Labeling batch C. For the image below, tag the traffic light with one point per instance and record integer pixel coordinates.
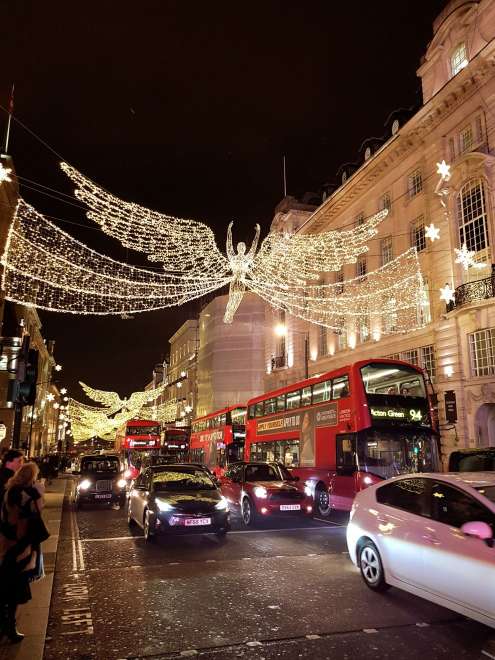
(22, 389)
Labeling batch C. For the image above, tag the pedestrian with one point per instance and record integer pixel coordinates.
(12, 461)
(21, 532)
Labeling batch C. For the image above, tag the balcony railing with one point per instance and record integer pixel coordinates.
(279, 361)
(472, 292)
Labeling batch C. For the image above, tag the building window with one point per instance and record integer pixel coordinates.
(385, 202)
(473, 230)
(360, 219)
(414, 183)
(410, 356)
(466, 139)
(428, 363)
(418, 238)
(322, 341)
(458, 59)
(361, 268)
(482, 352)
(424, 310)
(364, 331)
(386, 250)
(280, 347)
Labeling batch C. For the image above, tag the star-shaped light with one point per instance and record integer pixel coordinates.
(447, 294)
(63, 390)
(444, 170)
(58, 367)
(466, 258)
(4, 173)
(50, 396)
(432, 232)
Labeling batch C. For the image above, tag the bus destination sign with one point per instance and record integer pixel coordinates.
(404, 415)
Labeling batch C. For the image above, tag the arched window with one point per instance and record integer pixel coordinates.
(473, 229)
(458, 59)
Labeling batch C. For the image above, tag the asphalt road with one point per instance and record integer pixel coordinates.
(286, 590)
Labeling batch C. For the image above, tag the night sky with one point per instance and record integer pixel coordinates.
(187, 107)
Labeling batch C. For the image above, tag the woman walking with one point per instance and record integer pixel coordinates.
(21, 532)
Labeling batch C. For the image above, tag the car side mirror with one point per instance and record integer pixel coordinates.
(480, 530)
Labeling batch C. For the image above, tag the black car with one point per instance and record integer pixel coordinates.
(481, 459)
(177, 499)
(100, 481)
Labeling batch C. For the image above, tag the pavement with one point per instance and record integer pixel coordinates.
(32, 618)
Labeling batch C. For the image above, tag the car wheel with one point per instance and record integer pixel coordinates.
(149, 537)
(322, 503)
(371, 567)
(130, 520)
(248, 512)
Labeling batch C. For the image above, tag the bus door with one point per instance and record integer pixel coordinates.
(343, 483)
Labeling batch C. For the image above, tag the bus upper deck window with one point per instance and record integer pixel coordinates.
(340, 387)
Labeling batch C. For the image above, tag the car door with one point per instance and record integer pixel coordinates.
(231, 485)
(139, 496)
(459, 568)
(400, 519)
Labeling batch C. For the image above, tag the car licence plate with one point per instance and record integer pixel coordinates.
(190, 522)
(290, 507)
(103, 496)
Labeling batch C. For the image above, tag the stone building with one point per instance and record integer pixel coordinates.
(456, 123)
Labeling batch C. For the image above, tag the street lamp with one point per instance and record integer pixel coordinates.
(281, 331)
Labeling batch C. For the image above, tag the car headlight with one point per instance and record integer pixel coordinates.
(308, 491)
(128, 474)
(261, 492)
(85, 484)
(121, 483)
(223, 505)
(163, 505)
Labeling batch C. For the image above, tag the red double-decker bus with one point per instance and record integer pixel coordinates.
(174, 447)
(217, 439)
(346, 429)
(134, 440)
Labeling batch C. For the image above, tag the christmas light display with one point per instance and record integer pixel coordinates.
(5, 174)
(432, 232)
(466, 258)
(447, 294)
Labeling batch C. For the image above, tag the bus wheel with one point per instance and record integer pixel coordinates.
(322, 503)
(248, 512)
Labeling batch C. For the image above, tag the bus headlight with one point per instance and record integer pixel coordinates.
(121, 483)
(223, 505)
(261, 492)
(85, 484)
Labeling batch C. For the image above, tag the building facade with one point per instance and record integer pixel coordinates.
(456, 343)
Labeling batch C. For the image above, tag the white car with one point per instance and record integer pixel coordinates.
(431, 535)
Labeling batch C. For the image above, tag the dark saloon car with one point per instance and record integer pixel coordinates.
(472, 460)
(100, 481)
(177, 499)
(260, 489)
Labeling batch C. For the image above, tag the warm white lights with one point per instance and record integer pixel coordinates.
(466, 258)
(63, 390)
(444, 170)
(447, 294)
(50, 396)
(280, 330)
(4, 174)
(58, 367)
(449, 371)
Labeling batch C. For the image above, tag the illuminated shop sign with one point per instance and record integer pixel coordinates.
(412, 415)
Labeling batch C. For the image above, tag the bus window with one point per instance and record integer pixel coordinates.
(340, 387)
(251, 414)
(222, 419)
(293, 399)
(322, 391)
(281, 403)
(346, 452)
(306, 396)
(281, 451)
(385, 378)
(258, 411)
(270, 406)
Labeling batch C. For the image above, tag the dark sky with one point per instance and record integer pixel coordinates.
(187, 107)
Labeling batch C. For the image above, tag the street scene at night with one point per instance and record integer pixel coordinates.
(247, 358)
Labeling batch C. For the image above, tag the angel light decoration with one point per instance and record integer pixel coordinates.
(45, 267)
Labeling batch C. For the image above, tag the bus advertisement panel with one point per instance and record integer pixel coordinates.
(344, 430)
(217, 439)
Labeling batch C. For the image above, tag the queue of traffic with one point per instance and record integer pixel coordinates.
(362, 439)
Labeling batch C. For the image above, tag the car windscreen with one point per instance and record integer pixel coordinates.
(99, 465)
(182, 480)
(262, 473)
(487, 491)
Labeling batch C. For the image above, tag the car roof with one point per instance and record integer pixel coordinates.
(102, 456)
(472, 479)
(167, 466)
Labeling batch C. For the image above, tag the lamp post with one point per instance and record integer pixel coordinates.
(281, 331)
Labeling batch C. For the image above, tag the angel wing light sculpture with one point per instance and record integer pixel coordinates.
(47, 268)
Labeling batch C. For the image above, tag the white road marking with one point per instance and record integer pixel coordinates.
(81, 556)
(329, 522)
(370, 631)
(313, 637)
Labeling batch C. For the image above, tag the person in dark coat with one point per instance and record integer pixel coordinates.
(19, 544)
(12, 461)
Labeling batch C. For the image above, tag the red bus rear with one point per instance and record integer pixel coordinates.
(135, 439)
(174, 445)
(346, 429)
(217, 439)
